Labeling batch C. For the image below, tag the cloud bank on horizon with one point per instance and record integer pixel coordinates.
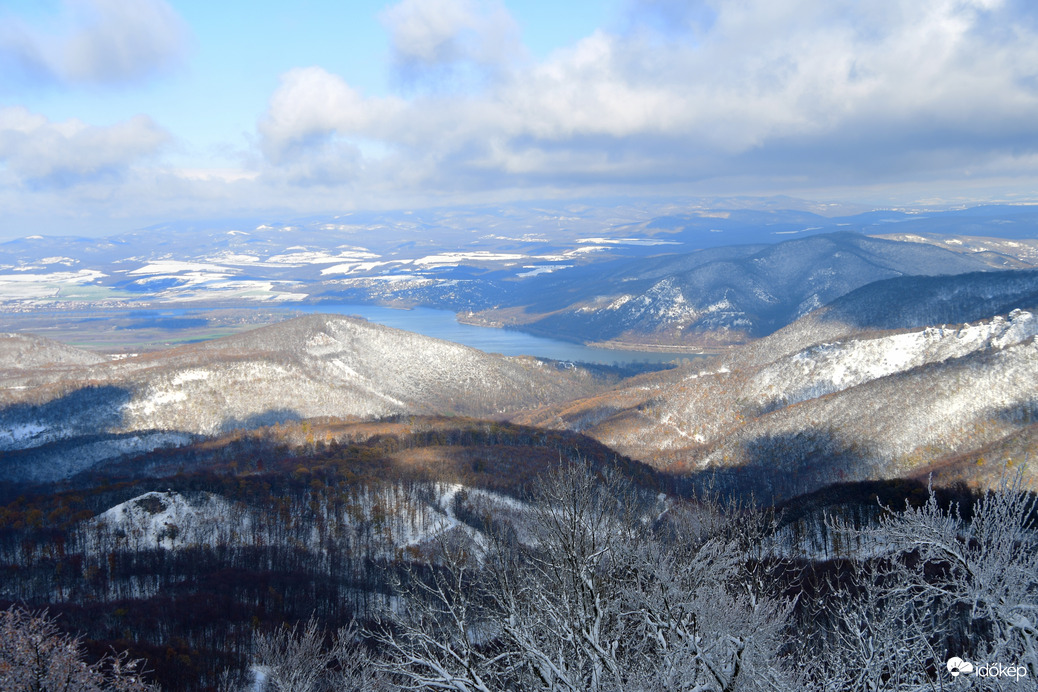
(896, 99)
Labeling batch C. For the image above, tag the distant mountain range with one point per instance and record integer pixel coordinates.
(729, 294)
(692, 274)
(838, 355)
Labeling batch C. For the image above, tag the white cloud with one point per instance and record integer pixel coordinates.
(441, 32)
(43, 154)
(310, 104)
(792, 90)
(884, 100)
(309, 116)
(96, 42)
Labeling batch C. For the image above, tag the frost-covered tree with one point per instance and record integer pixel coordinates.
(870, 633)
(435, 638)
(297, 659)
(930, 583)
(35, 656)
(598, 588)
(704, 614)
(981, 570)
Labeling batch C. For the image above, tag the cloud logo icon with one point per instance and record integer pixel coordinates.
(956, 665)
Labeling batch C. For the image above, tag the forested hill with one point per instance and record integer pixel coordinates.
(56, 421)
(184, 555)
(726, 294)
(843, 393)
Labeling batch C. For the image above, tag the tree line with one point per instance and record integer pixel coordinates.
(311, 578)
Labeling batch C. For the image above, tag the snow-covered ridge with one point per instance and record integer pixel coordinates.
(833, 367)
(310, 367)
(402, 518)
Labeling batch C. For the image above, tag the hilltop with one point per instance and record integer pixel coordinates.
(58, 421)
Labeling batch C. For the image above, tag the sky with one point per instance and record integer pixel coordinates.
(117, 114)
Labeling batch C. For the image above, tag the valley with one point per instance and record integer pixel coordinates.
(496, 346)
(189, 462)
(771, 364)
(631, 277)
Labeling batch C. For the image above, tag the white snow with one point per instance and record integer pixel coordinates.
(170, 520)
(543, 269)
(833, 367)
(19, 433)
(234, 258)
(359, 267)
(454, 258)
(584, 250)
(628, 241)
(619, 302)
(155, 400)
(215, 287)
(190, 376)
(178, 267)
(303, 257)
(83, 276)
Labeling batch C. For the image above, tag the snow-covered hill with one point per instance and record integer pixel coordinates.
(872, 404)
(309, 367)
(833, 367)
(24, 352)
(726, 295)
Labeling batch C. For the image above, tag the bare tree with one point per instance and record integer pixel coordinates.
(36, 656)
(585, 593)
(297, 659)
(981, 571)
(930, 583)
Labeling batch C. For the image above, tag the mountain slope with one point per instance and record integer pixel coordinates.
(869, 404)
(888, 426)
(304, 368)
(725, 295)
(21, 352)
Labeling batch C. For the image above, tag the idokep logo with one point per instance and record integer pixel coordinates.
(957, 667)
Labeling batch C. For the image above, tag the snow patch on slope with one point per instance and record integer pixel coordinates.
(170, 520)
(833, 367)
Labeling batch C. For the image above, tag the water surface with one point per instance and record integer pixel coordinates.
(443, 324)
